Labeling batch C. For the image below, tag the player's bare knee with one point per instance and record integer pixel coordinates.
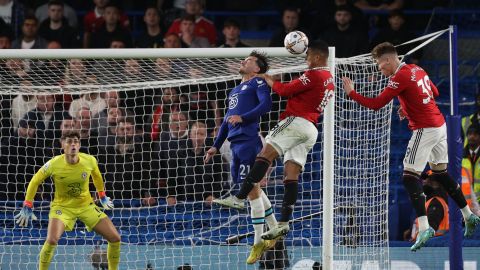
(439, 167)
(52, 240)
(268, 152)
(114, 237)
(411, 171)
(255, 193)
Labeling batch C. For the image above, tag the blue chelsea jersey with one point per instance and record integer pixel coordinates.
(250, 99)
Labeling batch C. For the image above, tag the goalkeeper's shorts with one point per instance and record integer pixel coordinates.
(293, 137)
(90, 215)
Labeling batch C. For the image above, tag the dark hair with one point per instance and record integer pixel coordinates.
(396, 12)
(188, 17)
(56, 3)
(346, 8)
(292, 9)
(70, 134)
(383, 48)
(231, 22)
(262, 61)
(31, 17)
(320, 47)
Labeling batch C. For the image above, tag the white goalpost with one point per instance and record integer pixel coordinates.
(123, 102)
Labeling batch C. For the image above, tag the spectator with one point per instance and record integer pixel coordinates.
(348, 41)
(56, 28)
(75, 73)
(172, 41)
(112, 102)
(290, 20)
(203, 27)
(127, 163)
(12, 12)
(94, 20)
(153, 36)
(22, 103)
(93, 101)
(471, 164)
(187, 34)
(471, 119)
(396, 33)
(68, 13)
(107, 133)
(30, 38)
(112, 28)
(172, 149)
(231, 33)
(169, 103)
(88, 136)
(5, 41)
(203, 182)
(47, 118)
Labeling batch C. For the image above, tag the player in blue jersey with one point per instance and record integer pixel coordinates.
(247, 102)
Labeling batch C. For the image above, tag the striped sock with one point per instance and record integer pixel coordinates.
(269, 215)
(258, 218)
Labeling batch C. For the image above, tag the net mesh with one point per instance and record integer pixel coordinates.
(127, 111)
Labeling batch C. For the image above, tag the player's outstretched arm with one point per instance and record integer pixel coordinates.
(26, 214)
(98, 183)
(374, 103)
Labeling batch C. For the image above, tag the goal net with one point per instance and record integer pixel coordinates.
(149, 116)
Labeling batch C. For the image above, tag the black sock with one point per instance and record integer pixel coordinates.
(413, 185)
(260, 167)
(289, 199)
(453, 188)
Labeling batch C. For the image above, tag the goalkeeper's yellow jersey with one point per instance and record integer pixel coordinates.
(71, 181)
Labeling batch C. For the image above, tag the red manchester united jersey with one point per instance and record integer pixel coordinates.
(307, 95)
(416, 94)
(203, 28)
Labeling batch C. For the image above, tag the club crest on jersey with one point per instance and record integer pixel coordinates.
(84, 175)
(232, 103)
(304, 79)
(393, 84)
(244, 87)
(58, 212)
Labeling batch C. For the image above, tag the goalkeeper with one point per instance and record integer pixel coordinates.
(71, 173)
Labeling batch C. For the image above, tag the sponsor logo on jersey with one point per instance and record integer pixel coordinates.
(84, 175)
(304, 79)
(232, 103)
(393, 84)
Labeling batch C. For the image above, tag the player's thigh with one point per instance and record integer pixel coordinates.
(91, 215)
(245, 154)
(55, 230)
(65, 215)
(290, 132)
(106, 229)
(418, 150)
(298, 154)
(439, 155)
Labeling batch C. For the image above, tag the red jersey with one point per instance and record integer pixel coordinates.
(307, 95)
(92, 23)
(203, 28)
(415, 93)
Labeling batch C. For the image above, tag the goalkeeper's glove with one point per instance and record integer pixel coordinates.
(26, 214)
(105, 201)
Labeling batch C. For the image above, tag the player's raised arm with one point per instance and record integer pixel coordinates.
(264, 105)
(374, 103)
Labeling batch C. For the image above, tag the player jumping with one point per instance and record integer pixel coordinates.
(416, 94)
(294, 136)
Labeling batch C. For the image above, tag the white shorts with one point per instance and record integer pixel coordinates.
(426, 145)
(293, 137)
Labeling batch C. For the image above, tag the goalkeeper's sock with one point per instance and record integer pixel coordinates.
(269, 216)
(46, 255)
(258, 171)
(413, 185)
(289, 199)
(113, 255)
(453, 189)
(257, 213)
